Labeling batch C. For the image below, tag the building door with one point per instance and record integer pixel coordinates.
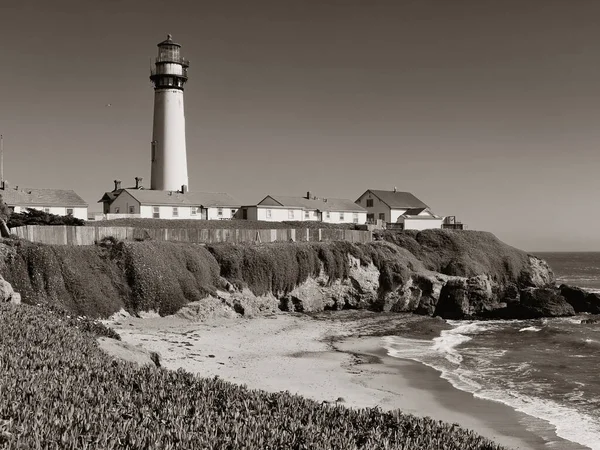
(244, 214)
(204, 213)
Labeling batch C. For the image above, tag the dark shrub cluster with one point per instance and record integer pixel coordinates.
(463, 253)
(60, 391)
(38, 217)
(81, 280)
(165, 276)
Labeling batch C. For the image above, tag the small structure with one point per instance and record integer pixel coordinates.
(62, 202)
(146, 203)
(401, 210)
(278, 208)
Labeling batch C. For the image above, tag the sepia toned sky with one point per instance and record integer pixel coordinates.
(487, 110)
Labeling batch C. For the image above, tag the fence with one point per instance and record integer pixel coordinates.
(71, 235)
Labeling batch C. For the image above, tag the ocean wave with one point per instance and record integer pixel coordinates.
(443, 356)
(530, 329)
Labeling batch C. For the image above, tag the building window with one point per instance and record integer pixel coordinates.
(268, 213)
(156, 212)
(291, 214)
(220, 212)
(355, 217)
(306, 215)
(370, 218)
(342, 216)
(369, 203)
(69, 211)
(117, 209)
(175, 211)
(382, 216)
(132, 210)
(233, 211)
(194, 210)
(328, 215)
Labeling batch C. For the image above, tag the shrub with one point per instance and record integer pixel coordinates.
(38, 217)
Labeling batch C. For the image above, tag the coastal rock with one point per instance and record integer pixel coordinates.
(535, 303)
(7, 293)
(465, 297)
(590, 321)
(581, 300)
(359, 291)
(538, 274)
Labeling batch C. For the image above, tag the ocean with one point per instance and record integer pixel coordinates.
(547, 368)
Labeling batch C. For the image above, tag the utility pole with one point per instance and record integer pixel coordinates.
(1, 161)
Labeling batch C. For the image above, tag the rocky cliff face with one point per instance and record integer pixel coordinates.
(450, 274)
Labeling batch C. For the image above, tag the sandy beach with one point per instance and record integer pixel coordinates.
(325, 359)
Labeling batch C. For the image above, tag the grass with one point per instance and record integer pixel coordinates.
(60, 391)
(216, 224)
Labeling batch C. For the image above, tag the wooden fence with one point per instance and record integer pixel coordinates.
(71, 235)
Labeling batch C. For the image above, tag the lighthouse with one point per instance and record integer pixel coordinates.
(169, 160)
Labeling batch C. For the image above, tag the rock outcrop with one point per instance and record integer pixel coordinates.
(7, 293)
(580, 300)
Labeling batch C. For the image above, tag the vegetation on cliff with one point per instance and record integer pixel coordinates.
(60, 391)
(164, 276)
(464, 253)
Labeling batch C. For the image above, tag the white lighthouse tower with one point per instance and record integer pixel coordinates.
(169, 161)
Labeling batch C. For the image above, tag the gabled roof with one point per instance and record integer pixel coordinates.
(398, 200)
(321, 204)
(170, 198)
(41, 197)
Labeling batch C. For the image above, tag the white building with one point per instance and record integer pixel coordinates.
(146, 203)
(62, 202)
(402, 209)
(277, 208)
(169, 159)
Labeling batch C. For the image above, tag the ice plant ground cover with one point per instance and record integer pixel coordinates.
(59, 390)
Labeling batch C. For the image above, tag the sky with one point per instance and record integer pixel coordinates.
(486, 110)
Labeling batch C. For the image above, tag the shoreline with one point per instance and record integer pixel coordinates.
(327, 359)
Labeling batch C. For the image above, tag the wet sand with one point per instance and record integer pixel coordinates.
(323, 360)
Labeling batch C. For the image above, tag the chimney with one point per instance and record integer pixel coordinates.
(308, 195)
(184, 189)
(138, 182)
(5, 185)
(117, 185)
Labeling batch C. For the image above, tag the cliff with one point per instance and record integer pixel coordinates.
(437, 272)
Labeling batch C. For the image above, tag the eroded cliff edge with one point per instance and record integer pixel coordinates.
(452, 274)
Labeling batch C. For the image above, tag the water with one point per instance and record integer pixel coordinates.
(545, 368)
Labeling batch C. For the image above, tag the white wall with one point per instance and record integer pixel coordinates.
(277, 214)
(335, 217)
(78, 212)
(169, 167)
(395, 215)
(122, 204)
(378, 207)
(422, 224)
(185, 212)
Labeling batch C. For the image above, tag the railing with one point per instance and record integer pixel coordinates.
(172, 59)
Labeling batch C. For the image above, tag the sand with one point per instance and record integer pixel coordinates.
(322, 360)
